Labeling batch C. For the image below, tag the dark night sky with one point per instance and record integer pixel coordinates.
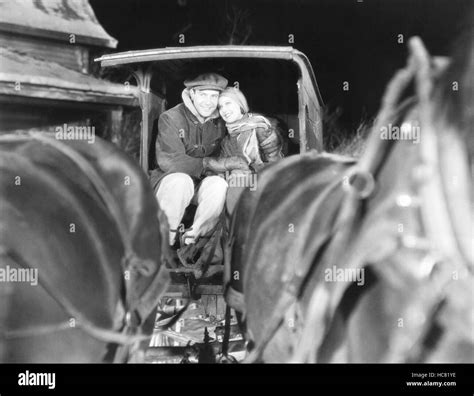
(344, 40)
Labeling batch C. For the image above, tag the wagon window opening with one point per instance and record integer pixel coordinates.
(270, 86)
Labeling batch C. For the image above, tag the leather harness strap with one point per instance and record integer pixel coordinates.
(235, 299)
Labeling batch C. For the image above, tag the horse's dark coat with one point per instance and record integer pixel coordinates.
(278, 217)
(84, 267)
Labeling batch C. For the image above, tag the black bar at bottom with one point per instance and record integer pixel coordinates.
(338, 376)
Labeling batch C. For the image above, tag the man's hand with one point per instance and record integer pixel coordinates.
(222, 165)
(272, 143)
(233, 163)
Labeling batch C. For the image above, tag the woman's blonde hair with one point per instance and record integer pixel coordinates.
(236, 95)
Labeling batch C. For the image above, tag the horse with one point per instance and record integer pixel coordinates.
(82, 242)
(334, 259)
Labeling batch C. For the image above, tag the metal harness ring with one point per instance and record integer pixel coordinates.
(359, 182)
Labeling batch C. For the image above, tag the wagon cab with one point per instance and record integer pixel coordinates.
(279, 82)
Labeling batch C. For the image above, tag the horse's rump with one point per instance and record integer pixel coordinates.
(136, 208)
(279, 254)
(59, 220)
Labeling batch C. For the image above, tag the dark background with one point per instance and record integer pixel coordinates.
(345, 40)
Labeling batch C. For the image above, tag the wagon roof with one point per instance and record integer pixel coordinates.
(173, 58)
(204, 51)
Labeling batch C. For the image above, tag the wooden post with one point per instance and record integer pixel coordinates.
(115, 119)
(302, 117)
(145, 134)
(143, 78)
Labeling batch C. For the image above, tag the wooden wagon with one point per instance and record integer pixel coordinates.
(278, 82)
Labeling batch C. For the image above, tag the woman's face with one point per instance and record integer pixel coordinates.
(229, 109)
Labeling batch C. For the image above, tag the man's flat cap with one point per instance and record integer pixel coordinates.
(207, 81)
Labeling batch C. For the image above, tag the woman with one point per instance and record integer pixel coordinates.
(246, 132)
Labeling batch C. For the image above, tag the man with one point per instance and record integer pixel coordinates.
(187, 147)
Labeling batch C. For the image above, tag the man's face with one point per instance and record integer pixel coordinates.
(205, 101)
